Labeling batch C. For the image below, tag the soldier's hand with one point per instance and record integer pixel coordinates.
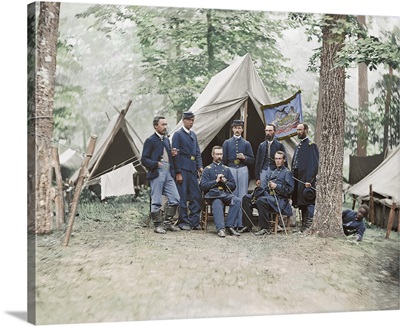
(179, 178)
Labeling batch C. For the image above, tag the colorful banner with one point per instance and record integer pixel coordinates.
(285, 115)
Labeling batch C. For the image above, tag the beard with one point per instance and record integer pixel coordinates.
(301, 136)
(269, 137)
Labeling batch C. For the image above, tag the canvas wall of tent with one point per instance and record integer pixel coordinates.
(114, 149)
(385, 182)
(237, 92)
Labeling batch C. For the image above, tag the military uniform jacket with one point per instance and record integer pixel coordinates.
(351, 225)
(305, 169)
(283, 178)
(153, 150)
(261, 155)
(189, 155)
(208, 179)
(233, 146)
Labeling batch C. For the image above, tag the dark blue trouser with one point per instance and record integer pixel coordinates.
(189, 191)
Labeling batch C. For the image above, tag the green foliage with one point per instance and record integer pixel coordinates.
(372, 51)
(182, 48)
(393, 119)
(375, 119)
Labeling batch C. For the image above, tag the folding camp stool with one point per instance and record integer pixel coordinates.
(276, 222)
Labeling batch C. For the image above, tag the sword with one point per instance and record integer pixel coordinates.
(303, 183)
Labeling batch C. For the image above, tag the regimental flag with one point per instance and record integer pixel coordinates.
(285, 115)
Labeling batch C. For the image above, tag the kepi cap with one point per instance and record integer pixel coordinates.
(237, 123)
(188, 115)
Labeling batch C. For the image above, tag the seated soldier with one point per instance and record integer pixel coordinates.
(218, 183)
(280, 186)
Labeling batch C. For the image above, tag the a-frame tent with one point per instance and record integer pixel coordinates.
(385, 183)
(114, 149)
(237, 92)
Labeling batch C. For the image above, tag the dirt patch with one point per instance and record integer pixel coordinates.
(117, 270)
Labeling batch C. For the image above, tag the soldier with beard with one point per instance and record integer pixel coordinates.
(265, 156)
(305, 169)
(158, 157)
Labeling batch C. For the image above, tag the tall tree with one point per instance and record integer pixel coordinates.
(332, 80)
(362, 139)
(40, 115)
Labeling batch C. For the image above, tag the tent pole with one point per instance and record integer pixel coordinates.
(245, 118)
(371, 206)
(78, 188)
(391, 220)
(354, 202)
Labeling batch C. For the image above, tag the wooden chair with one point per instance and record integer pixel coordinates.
(206, 213)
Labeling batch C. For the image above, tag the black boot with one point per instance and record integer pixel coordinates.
(169, 215)
(157, 219)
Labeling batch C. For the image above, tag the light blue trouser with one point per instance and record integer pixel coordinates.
(218, 211)
(165, 185)
(241, 177)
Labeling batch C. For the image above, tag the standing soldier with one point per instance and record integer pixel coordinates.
(265, 155)
(305, 169)
(157, 157)
(188, 165)
(238, 154)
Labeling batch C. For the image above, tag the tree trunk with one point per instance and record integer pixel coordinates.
(318, 123)
(210, 45)
(42, 119)
(362, 137)
(327, 218)
(386, 119)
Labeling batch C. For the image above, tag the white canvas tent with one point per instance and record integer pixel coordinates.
(114, 149)
(70, 161)
(236, 92)
(385, 181)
